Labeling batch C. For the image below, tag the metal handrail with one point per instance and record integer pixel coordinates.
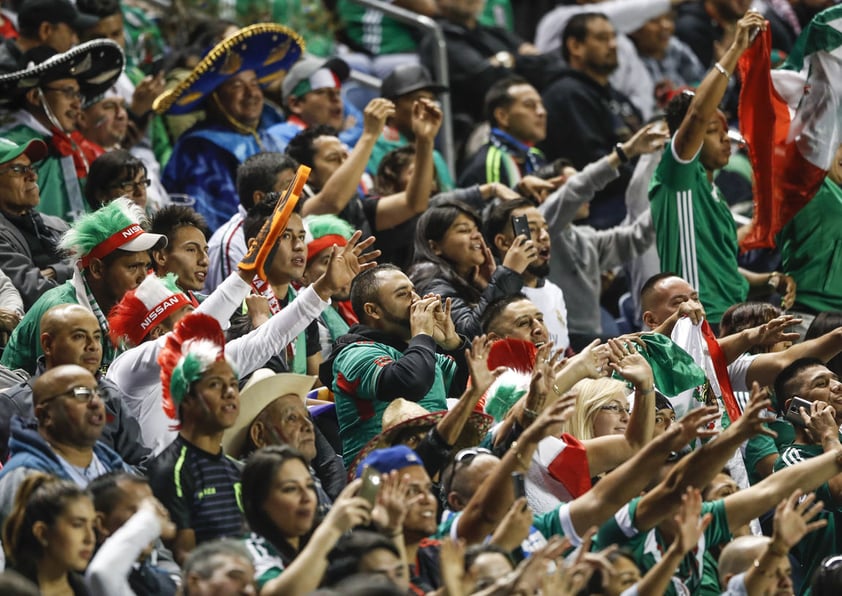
(441, 74)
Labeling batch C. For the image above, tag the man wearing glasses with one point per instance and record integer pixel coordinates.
(46, 99)
(28, 239)
(63, 440)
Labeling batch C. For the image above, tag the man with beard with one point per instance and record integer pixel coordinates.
(547, 296)
(596, 116)
(580, 253)
(64, 441)
(392, 353)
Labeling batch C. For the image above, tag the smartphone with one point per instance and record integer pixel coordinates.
(793, 413)
(519, 485)
(371, 485)
(520, 226)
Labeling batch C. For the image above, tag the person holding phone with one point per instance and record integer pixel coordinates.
(811, 395)
(453, 260)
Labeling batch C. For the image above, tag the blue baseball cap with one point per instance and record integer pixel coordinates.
(390, 458)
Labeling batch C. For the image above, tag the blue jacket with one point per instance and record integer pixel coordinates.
(30, 450)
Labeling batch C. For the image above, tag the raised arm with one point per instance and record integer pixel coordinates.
(766, 367)
(690, 135)
(702, 465)
(342, 185)
(396, 209)
(626, 482)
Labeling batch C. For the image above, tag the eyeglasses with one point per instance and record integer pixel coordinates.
(19, 170)
(465, 456)
(70, 93)
(82, 395)
(616, 408)
(133, 185)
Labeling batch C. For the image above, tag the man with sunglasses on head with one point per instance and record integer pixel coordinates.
(63, 440)
(28, 239)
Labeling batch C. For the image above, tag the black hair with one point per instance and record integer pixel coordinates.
(577, 28)
(677, 110)
(432, 226)
(649, 287)
(364, 287)
(106, 491)
(259, 213)
(344, 559)
(302, 146)
(498, 96)
(495, 309)
(172, 217)
(746, 315)
(106, 171)
(825, 322)
(499, 217)
(259, 173)
(783, 387)
(99, 8)
(257, 479)
(393, 164)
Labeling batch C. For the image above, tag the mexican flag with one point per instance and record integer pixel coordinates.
(790, 120)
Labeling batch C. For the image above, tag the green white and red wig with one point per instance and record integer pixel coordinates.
(195, 344)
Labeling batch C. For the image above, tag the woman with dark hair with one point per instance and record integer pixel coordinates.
(115, 174)
(745, 315)
(279, 502)
(825, 322)
(49, 535)
(452, 260)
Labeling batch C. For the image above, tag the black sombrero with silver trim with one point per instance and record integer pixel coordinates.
(95, 65)
(267, 48)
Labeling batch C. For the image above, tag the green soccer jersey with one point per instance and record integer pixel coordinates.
(359, 406)
(696, 234)
(815, 546)
(266, 559)
(648, 547)
(811, 250)
(761, 446)
(376, 33)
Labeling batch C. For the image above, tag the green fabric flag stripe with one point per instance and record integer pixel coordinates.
(820, 35)
(673, 368)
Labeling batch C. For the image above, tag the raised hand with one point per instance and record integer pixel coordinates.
(483, 273)
(692, 426)
(774, 331)
(375, 115)
(742, 35)
(648, 139)
(751, 423)
(536, 188)
(514, 527)
(593, 360)
(344, 265)
(627, 361)
(792, 520)
(477, 359)
(689, 526)
(349, 510)
(520, 255)
(452, 566)
(550, 421)
(445, 330)
(393, 502)
(426, 119)
(422, 315)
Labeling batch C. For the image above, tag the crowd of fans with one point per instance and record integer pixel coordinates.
(259, 336)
